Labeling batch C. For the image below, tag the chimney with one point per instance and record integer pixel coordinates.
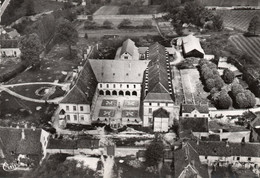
(22, 135)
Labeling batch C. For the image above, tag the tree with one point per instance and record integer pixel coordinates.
(217, 22)
(236, 88)
(228, 76)
(250, 98)
(154, 153)
(125, 23)
(31, 48)
(210, 84)
(254, 25)
(223, 101)
(30, 8)
(219, 83)
(107, 24)
(66, 33)
(241, 100)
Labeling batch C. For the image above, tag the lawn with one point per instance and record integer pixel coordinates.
(15, 110)
(53, 67)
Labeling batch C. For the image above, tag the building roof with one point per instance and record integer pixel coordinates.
(119, 71)
(9, 44)
(20, 141)
(218, 148)
(191, 43)
(166, 97)
(188, 108)
(156, 48)
(230, 3)
(128, 47)
(142, 50)
(187, 163)
(72, 144)
(84, 89)
(198, 124)
(162, 113)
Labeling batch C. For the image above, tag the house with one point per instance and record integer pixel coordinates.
(29, 142)
(194, 110)
(191, 46)
(161, 120)
(128, 51)
(77, 103)
(241, 154)
(76, 146)
(9, 48)
(157, 87)
(254, 126)
(187, 163)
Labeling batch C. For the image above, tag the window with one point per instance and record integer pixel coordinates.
(150, 104)
(187, 115)
(82, 118)
(238, 158)
(75, 117)
(67, 108)
(100, 85)
(195, 115)
(120, 85)
(114, 85)
(126, 57)
(68, 117)
(74, 108)
(150, 110)
(206, 157)
(126, 74)
(81, 108)
(127, 86)
(158, 104)
(134, 86)
(107, 86)
(166, 104)
(249, 159)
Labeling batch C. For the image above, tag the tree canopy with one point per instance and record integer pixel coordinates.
(66, 33)
(254, 25)
(31, 48)
(228, 76)
(224, 101)
(154, 152)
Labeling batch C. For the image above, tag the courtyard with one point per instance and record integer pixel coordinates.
(117, 110)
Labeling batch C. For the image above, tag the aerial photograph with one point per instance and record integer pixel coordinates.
(129, 88)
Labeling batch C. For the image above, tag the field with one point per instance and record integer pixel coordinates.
(250, 45)
(192, 87)
(237, 19)
(107, 10)
(229, 3)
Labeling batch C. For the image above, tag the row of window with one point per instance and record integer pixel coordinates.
(74, 108)
(75, 117)
(114, 85)
(238, 158)
(158, 104)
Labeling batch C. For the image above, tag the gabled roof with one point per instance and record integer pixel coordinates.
(162, 113)
(84, 89)
(128, 47)
(166, 97)
(72, 144)
(12, 141)
(119, 71)
(188, 108)
(190, 43)
(187, 163)
(220, 148)
(156, 48)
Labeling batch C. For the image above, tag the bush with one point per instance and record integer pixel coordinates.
(147, 23)
(125, 23)
(89, 25)
(107, 24)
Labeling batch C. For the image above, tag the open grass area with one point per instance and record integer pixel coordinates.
(107, 10)
(51, 68)
(7, 64)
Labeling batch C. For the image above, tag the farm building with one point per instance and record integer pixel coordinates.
(157, 87)
(78, 101)
(191, 46)
(191, 110)
(9, 48)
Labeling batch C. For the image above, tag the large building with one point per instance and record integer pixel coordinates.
(124, 91)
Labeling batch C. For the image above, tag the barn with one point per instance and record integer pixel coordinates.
(191, 47)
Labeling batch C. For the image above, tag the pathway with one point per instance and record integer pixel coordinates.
(35, 83)
(3, 7)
